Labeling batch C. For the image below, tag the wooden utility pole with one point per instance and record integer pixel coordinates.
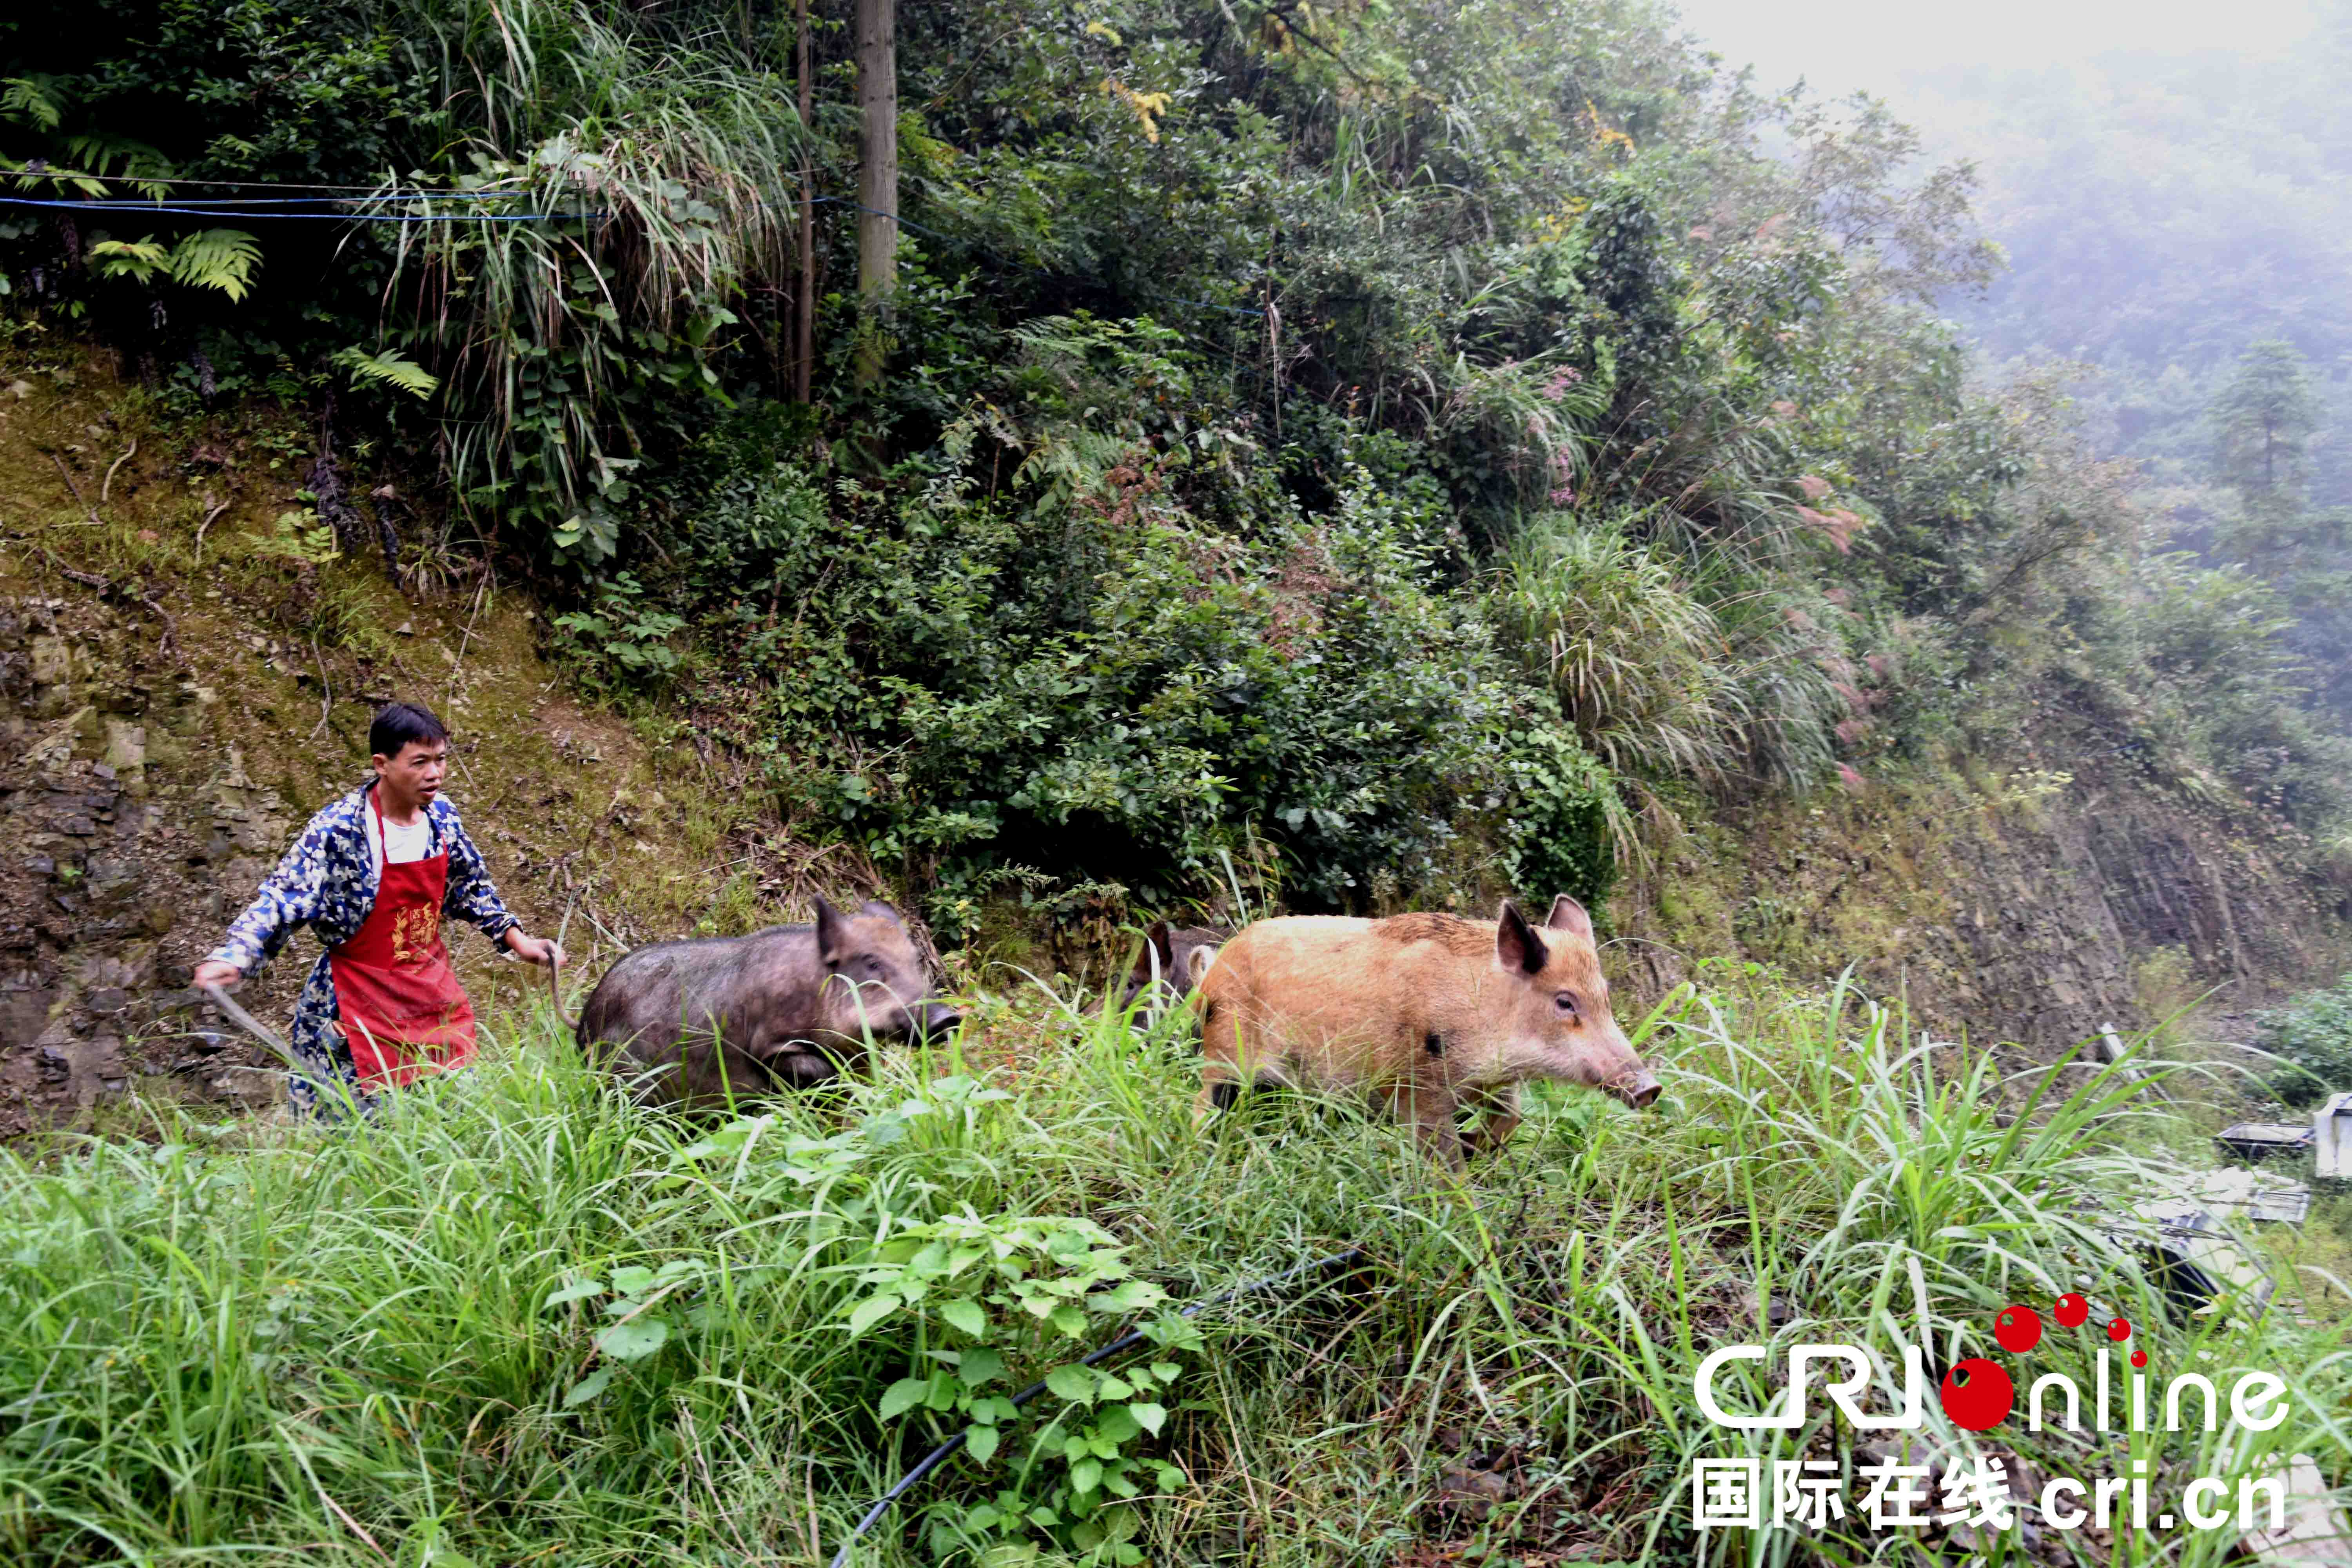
(804, 306)
(878, 177)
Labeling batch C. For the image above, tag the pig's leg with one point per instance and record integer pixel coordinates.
(1429, 1108)
(1221, 1074)
(1499, 1108)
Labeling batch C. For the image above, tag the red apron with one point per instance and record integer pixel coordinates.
(399, 1005)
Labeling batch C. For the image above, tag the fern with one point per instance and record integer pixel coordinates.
(138, 260)
(222, 258)
(31, 99)
(297, 538)
(388, 369)
(113, 157)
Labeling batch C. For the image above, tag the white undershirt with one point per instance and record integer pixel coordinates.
(412, 842)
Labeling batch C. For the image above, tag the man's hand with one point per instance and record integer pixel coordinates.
(533, 949)
(213, 972)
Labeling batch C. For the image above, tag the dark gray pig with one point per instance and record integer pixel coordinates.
(782, 1008)
(1169, 968)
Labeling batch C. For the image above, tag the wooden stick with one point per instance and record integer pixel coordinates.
(326, 690)
(76, 489)
(109, 485)
(216, 508)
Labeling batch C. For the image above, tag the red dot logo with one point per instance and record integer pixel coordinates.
(2119, 1330)
(2139, 1358)
(2072, 1310)
(1977, 1394)
(2019, 1329)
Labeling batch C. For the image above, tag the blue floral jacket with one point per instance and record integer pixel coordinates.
(327, 881)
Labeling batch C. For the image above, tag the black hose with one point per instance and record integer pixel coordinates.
(1128, 1340)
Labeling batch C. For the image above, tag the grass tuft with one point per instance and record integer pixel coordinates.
(522, 1319)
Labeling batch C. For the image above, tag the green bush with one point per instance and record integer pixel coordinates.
(2314, 1034)
(1134, 694)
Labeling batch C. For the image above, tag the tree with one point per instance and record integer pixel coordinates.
(804, 300)
(878, 175)
(2262, 424)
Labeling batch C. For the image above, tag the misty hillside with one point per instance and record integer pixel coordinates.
(1061, 468)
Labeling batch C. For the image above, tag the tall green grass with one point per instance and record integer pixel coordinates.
(381, 1344)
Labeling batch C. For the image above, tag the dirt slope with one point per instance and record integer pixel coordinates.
(170, 721)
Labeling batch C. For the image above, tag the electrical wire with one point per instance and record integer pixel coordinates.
(483, 195)
(221, 207)
(1128, 1340)
(31, 173)
(130, 206)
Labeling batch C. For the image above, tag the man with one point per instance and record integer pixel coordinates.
(372, 874)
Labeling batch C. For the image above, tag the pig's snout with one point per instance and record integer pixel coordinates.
(934, 1020)
(1638, 1089)
(803, 1070)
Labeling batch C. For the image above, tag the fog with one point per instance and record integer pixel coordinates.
(1841, 46)
(2172, 184)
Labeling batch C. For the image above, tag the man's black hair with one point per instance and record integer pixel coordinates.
(400, 724)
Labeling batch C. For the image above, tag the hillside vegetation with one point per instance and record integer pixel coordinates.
(1251, 457)
(1384, 457)
(519, 1321)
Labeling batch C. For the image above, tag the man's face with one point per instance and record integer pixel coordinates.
(415, 775)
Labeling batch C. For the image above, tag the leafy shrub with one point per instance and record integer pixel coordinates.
(996, 1292)
(623, 634)
(1098, 683)
(2314, 1034)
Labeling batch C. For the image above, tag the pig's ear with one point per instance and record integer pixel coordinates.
(877, 910)
(1516, 945)
(1164, 943)
(831, 933)
(1196, 964)
(1567, 915)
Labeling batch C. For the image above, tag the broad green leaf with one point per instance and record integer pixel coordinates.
(981, 1442)
(1070, 1320)
(1075, 1383)
(635, 1340)
(579, 1291)
(1085, 1476)
(903, 1396)
(966, 1316)
(1128, 1296)
(981, 1365)
(588, 1388)
(1149, 1416)
(871, 1311)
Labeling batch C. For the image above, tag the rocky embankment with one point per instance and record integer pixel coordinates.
(2030, 905)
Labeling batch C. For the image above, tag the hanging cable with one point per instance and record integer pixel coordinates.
(141, 206)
